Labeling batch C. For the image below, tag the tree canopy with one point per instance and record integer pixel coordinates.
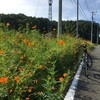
(21, 21)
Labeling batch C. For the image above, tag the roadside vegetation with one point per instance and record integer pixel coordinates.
(20, 21)
(33, 67)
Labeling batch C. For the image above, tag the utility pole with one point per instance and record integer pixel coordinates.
(77, 18)
(59, 18)
(50, 15)
(93, 13)
(97, 32)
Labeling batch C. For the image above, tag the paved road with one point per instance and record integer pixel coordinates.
(89, 88)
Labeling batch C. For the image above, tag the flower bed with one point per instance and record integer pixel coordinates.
(36, 68)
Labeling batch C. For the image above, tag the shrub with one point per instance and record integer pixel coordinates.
(36, 68)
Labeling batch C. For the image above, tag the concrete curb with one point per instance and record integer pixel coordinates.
(71, 92)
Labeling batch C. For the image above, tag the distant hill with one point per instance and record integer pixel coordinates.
(20, 22)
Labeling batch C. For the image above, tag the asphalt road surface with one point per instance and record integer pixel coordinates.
(89, 88)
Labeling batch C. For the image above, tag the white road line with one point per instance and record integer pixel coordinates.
(71, 92)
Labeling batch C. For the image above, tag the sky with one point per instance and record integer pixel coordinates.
(39, 8)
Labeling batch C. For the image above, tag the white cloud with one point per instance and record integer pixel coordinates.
(29, 7)
(7, 6)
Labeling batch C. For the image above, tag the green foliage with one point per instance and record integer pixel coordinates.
(33, 67)
(21, 21)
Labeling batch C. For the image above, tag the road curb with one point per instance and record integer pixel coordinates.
(71, 92)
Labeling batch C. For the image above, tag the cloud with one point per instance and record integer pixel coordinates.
(42, 9)
(39, 8)
(10, 5)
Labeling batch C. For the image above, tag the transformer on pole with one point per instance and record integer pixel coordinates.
(50, 15)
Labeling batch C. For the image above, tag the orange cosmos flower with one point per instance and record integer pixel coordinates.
(40, 66)
(27, 98)
(34, 26)
(17, 79)
(3, 80)
(61, 79)
(10, 91)
(2, 52)
(20, 69)
(31, 61)
(30, 44)
(65, 74)
(26, 41)
(30, 90)
(61, 42)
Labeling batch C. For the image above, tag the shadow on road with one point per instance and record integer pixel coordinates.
(97, 76)
(89, 88)
(83, 86)
(94, 58)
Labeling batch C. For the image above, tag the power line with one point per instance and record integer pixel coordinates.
(75, 5)
(81, 11)
(95, 5)
(87, 7)
(92, 6)
(37, 8)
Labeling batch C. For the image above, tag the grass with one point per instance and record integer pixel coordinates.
(36, 68)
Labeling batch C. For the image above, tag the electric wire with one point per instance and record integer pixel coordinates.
(81, 11)
(75, 5)
(37, 8)
(95, 5)
(97, 13)
(92, 6)
(87, 7)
